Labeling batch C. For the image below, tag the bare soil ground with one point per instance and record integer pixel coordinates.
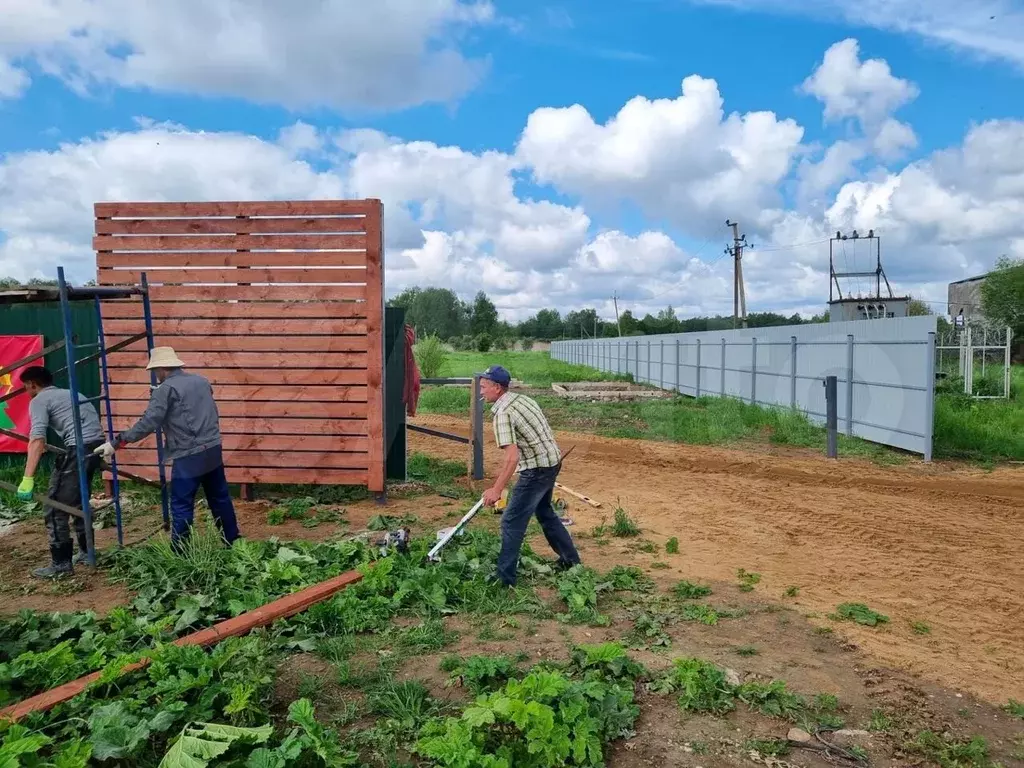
(937, 544)
(933, 544)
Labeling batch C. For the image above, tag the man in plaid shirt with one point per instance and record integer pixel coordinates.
(529, 448)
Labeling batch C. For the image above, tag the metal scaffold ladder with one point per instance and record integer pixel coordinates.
(66, 294)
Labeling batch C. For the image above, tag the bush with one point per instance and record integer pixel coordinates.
(483, 342)
(430, 357)
(502, 344)
(527, 344)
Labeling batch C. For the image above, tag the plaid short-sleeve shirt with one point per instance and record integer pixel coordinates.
(519, 421)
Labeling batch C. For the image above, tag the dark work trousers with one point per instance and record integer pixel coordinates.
(188, 474)
(532, 496)
(65, 489)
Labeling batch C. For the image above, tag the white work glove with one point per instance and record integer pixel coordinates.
(106, 451)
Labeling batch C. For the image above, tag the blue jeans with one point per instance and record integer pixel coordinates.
(188, 473)
(532, 496)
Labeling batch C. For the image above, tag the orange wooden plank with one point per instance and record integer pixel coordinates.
(133, 460)
(229, 392)
(233, 208)
(143, 260)
(375, 343)
(246, 275)
(291, 225)
(255, 293)
(240, 327)
(292, 310)
(262, 409)
(284, 345)
(218, 242)
(276, 426)
(276, 443)
(283, 607)
(249, 376)
(314, 360)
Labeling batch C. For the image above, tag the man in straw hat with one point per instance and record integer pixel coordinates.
(182, 406)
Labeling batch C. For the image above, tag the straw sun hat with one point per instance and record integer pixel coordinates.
(164, 357)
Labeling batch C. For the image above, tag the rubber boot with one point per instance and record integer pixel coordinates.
(61, 566)
(81, 557)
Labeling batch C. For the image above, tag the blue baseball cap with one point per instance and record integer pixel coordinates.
(497, 374)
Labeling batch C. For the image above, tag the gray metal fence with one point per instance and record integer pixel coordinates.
(886, 371)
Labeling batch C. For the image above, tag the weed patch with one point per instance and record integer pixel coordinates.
(672, 546)
(859, 613)
(950, 752)
(747, 580)
(687, 590)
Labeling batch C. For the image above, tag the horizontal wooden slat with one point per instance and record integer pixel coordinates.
(253, 376)
(218, 242)
(284, 345)
(241, 327)
(291, 310)
(290, 476)
(236, 208)
(284, 394)
(132, 459)
(277, 226)
(261, 409)
(256, 293)
(148, 260)
(276, 426)
(232, 276)
(280, 443)
(200, 360)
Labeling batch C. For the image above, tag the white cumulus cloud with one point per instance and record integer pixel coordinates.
(338, 53)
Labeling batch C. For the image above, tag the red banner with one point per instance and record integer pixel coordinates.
(14, 412)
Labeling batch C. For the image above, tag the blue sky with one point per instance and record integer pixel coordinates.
(641, 206)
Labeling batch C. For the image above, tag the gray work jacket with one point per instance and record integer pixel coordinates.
(183, 407)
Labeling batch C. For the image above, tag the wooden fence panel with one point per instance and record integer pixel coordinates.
(280, 305)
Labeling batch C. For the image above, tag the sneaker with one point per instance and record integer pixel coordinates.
(562, 566)
(54, 571)
(81, 559)
(495, 581)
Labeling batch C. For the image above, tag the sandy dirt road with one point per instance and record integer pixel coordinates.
(935, 544)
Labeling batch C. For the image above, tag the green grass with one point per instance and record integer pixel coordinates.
(536, 369)
(859, 613)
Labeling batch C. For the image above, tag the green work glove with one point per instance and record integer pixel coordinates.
(28, 484)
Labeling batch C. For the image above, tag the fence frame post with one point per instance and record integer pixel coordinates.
(661, 364)
(679, 368)
(478, 431)
(723, 366)
(753, 370)
(929, 398)
(792, 372)
(697, 382)
(849, 385)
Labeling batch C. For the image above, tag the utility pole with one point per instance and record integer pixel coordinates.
(618, 322)
(739, 293)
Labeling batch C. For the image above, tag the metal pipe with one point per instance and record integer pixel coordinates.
(849, 385)
(83, 481)
(161, 469)
(115, 486)
(478, 431)
(929, 398)
(831, 384)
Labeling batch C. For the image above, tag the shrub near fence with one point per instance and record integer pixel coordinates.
(885, 370)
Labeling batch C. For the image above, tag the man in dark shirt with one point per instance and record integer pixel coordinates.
(51, 409)
(182, 406)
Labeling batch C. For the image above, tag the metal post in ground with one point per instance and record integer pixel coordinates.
(849, 385)
(115, 484)
(698, 369)
(478, 431)
(831, 384)
(83, 481)
(1006, 363)
(929, 398)
(792, 371)
(147, 315)
(679, 368)
(649, 379)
